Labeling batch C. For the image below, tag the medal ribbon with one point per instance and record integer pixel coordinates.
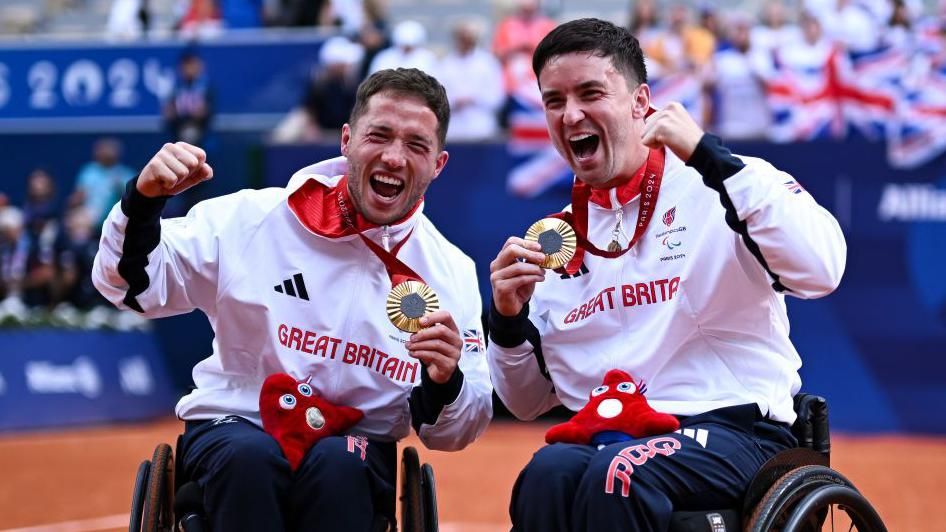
(578, 218)
(397, 270)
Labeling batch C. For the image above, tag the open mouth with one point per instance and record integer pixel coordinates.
(386, 186)
(584, 145)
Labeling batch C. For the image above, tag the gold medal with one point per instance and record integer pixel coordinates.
(408, 302)
(557, 239)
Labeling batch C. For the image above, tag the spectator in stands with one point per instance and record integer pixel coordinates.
(100, 182)
(347, 15)
(408, 51)
(474, 107)
(41, 222)
(201, 20)
(516, 37)
(189, 108)
(373, 34)
(13, 252)
(808, 54)
(329, 97)
(684, 47)
(41, 209)
(899, 32)
(855, 24)
(644, 24)
(127, 19)
(775, 31)
(710, 21)
(74, 260)
(735, 79)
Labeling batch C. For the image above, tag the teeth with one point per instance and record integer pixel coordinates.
(388, 180)
(581, 136)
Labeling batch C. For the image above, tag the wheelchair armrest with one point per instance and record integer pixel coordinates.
(811, 427)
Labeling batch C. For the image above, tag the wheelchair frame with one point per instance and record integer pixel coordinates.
(157, 507)
(794, 490)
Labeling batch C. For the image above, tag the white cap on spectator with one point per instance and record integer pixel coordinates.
(10, 218)
(339, 50)
(409, 33)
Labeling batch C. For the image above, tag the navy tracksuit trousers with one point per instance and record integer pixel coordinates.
(636, 484)
(344, 483)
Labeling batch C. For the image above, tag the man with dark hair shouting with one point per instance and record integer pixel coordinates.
(338, 280)
(684, 255)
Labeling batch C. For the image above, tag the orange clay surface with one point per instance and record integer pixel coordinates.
(81, 479)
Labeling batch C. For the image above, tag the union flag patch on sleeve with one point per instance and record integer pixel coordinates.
(472, 341)
(793, 187)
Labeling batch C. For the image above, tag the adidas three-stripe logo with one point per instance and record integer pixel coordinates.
(294, 287)
(700, 435)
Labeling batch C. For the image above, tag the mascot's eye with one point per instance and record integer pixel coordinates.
(627, 387)
(599, 390)
(305, 390)
(287, 401)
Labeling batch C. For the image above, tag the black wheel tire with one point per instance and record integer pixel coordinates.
(849, 500)
(157, 515)
(429, 489)
(412, 511)
(773, 510)
(138, 496)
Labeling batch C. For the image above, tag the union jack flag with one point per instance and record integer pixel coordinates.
(684, 87)
(892, 93)
(917, 133)
(539, 166)
(823, 101)
(472, 341)
(793, 187)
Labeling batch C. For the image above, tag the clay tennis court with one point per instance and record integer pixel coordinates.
(81, 480)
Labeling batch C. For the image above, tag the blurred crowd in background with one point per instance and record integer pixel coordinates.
(724, 64)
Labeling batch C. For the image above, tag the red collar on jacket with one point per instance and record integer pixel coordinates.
(315, 204)
(625, 192)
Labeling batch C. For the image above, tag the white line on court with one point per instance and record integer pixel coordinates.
(108, 522)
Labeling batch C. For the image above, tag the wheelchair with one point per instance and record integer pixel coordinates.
(165, 502)
(795, 490)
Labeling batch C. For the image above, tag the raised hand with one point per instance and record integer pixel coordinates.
(174, 169)
(672, 127)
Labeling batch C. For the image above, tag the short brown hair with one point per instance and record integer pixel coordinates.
(598, 37)
(408, 82)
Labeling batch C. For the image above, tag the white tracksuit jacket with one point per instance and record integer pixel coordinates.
(696, 309)
(284, 294)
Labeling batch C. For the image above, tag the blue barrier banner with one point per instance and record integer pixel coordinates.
(875, 347)
(57, 378)
(83, 86)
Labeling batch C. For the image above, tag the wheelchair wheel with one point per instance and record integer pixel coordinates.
(429, 490)
(412, 509)
(804, 499)
(860, 515)
(138, 496)
(157, 515)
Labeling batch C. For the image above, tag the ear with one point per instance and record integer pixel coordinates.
(641, 104)
(441, 162)
(346, 139)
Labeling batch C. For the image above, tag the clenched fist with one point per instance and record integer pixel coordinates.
(672, 127)
(174, 169)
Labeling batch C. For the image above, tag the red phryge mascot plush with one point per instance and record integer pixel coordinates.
(297, 418)
(616, 411)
